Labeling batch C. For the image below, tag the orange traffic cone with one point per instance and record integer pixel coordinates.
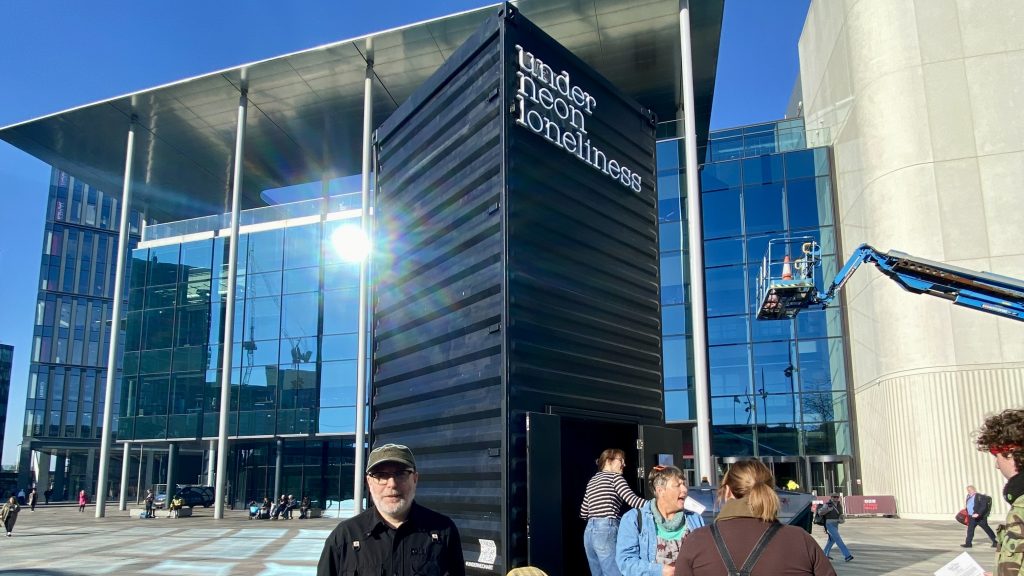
(787, 269)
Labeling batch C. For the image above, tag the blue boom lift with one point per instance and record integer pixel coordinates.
(786, 282)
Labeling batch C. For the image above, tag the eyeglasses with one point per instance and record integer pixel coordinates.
(381, 478)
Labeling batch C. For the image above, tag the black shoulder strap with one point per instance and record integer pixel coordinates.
(755, 554)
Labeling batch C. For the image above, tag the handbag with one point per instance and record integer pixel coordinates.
(961, 516)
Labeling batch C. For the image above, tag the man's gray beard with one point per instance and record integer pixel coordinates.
(397, 509)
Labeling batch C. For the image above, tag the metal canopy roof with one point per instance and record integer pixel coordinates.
(305, 108)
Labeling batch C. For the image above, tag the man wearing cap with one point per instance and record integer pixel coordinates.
(396, 537)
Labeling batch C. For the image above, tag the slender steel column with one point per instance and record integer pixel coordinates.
(698, 310)
(172, 486)
(138, 478)
(115, 325)
(229, 310)
(364, 288)
(126, 463)
(278, 462)
(211, 462)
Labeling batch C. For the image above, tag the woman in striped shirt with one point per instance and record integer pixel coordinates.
(602, 504)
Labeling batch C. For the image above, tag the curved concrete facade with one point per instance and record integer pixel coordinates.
(925, 103)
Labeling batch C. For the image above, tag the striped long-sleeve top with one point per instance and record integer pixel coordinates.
(606, 492)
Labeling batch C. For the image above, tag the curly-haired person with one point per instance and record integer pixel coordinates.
(1002, 435)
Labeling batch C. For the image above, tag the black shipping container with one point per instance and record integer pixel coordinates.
(516, 329)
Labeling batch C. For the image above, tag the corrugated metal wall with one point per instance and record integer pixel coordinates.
(438, 309)
(920, 446)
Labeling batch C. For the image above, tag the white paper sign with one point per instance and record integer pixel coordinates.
(488, 552)
(962, 565)
(693, 506)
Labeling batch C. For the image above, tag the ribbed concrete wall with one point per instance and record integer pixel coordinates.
(925, 102)
(916, 433)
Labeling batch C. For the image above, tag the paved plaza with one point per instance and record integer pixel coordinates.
(60, 541)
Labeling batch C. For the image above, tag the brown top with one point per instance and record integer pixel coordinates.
(791, 552)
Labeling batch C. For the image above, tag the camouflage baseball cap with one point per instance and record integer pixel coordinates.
(391, 453)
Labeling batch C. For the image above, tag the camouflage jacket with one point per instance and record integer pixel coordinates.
(1011, 541)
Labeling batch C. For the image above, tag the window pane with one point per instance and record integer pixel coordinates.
(674, 320)
(679, 405)
(299, 315)
(302, 246)
(763, 169)
(340, 347)
(723, 252)
(729, 369)
(157, 328)
(727, 330)
(265, 284)
(719, 176)
(725, 291)
(774, 371)
(810, 203)
(163, 265)
(302, 280)
(670, 237)
(799, 164)
(338, 384)
(264, 251)
(262, 319)
(678, 361)
(762, 208)
(721, 214)
(672, 278)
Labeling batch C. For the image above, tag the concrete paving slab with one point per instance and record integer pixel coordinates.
(59, 541)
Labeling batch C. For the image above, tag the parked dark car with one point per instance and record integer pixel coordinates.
(196, 495)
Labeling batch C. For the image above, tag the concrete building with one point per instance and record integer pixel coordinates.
(923, 103)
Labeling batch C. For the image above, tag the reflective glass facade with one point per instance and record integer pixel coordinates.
(6, 360)
(778, 388)
(294, 352)
(76, 297)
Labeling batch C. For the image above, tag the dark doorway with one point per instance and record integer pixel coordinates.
(582, 442)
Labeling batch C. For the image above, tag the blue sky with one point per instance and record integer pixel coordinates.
(58, 54)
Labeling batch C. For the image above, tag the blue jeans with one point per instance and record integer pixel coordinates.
(832, 527)
(599, 542)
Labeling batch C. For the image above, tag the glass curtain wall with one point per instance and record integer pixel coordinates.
(75, 302)
(778, 388)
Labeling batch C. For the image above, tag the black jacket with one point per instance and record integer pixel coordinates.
(831, 510)
(426, 544)
(982, 504)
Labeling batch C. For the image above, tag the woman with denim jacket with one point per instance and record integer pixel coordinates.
(602, 504)
(650, 546)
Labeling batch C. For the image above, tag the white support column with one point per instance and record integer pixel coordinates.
(211, 462)
(115, 326)
(698, 309)
(364, 288)
(126, 464)
(229, 309)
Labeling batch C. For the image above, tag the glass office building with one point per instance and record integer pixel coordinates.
(64, 402)
(6, 361)
(293, 370)
(778, 388)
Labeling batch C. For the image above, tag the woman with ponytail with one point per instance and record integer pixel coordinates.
(602, 504)
(749, 521)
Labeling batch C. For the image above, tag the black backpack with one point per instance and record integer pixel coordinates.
(755, 554)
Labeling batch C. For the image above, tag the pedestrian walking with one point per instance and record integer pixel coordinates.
(1002, 435)
(606, 493)
(397, 536)
(831, 513)
(9, 514)
(47, 493)
(978, 506)
(32, 497)
(82, 500)
(747, 533)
